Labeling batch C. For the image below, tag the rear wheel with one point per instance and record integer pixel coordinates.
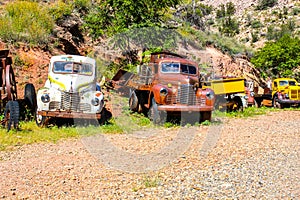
(12, 114)
(30, 99)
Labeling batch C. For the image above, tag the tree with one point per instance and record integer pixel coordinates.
(229, 25)
(116, 16)
(278, 58)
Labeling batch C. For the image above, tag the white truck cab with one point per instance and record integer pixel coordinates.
(70, 90)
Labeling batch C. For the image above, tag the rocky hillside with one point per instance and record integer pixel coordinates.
(33, 67)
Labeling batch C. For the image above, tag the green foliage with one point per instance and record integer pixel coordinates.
(279, 58)
(254, 36)
(225, 11)
(264, 4)
(61, 9)
(296, 11)
(27, 22)
(229, 25)
(285, 29)
(193, 14)
(256, 24)
(225, 44)
(116, 16)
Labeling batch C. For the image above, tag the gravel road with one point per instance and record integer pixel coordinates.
(253, 158)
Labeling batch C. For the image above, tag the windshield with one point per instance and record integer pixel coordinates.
(73, 68)
(287, 83)
(178, 68)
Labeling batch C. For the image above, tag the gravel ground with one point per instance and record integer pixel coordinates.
(254, 158)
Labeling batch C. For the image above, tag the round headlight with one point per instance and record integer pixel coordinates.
(210, 94)
(95, 102)
(163, 92)
(252, 94)
(45, 98)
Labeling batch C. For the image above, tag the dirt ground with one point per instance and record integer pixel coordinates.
(253, 158)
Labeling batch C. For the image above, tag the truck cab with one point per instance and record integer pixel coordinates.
(169, 85)
(70, 90)
(285, 92)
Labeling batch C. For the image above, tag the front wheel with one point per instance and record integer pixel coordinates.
(205, 116)
(40, 120)
(155, 115)
(276, 104)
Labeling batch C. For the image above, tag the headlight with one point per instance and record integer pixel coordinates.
(287, 95)
(163, 92)
(45, 98)
(252, 94)
(246, 97)
(210, 94)
(95, 102)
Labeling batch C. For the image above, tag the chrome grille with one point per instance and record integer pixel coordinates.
(85, 107)
(186, 95)
(54, 105)
(70, 101)
(200, 101)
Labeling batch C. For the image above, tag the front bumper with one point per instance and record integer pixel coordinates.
(184, 108)
(69, 115)
(288, 101)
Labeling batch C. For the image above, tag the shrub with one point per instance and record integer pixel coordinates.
(256, 24)
(26, 22)
(60, 10)
(264, 4)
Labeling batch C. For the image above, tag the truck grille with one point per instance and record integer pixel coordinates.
(70, 101)
(295, 94)
(54, 105)
(186, 95)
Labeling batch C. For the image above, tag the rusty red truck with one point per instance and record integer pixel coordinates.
(167, 85)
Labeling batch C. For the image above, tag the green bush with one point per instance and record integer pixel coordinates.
(25, 21)
(60, 10)
(264, 4)
(256, 24)
(279, 58)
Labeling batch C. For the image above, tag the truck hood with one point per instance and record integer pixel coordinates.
(70, 82)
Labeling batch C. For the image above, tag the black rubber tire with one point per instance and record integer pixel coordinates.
(156, 116)
(105, 116)
(206, 115)
(30, 98)
(40, 121)
(276, 104)
(239, 103)
(133, 102)
(12, 114)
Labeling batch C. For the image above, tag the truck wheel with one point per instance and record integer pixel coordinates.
(155, 115)
(205, 116)
(30, 98)
(12, 114)
(237, 104)
(276, 104)
(133, 102)
(41, 120)
(105, 116)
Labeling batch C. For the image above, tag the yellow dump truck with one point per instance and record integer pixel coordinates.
(285, 92)
(230, 92)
